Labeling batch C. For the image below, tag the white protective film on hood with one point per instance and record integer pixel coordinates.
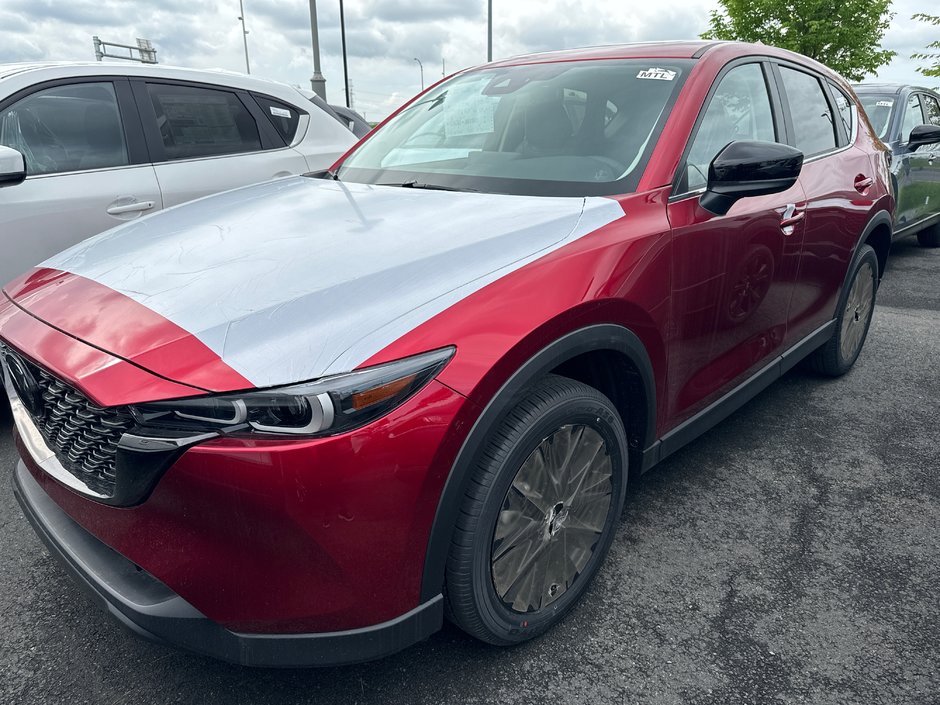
(299, 278)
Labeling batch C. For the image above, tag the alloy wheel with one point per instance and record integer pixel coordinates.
(552, 518)
(858, 310)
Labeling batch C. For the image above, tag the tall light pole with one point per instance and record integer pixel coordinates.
(241, 9)
(421, 66)
(342, 29)
(489, 30)
(317, 82)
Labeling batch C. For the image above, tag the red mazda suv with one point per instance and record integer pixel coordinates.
(299, 422)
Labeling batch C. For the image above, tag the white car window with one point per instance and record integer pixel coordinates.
(202, 122)
(72, 127)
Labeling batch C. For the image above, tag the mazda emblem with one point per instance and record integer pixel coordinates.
(25, 384)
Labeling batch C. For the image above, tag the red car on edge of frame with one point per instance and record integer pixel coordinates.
(287, 423)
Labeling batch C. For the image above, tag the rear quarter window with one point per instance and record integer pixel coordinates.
(845, 110)
(284, 117)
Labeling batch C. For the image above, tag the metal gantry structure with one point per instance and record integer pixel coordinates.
(143, 52)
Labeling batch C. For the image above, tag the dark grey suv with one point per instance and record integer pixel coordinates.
(907, 119)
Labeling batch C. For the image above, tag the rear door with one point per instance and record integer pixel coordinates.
(206, 139)
(836, 179)
(733, 275)
(87, 168)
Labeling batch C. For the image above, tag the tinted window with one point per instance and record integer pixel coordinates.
(845, 110)
(739, 110)
(567, 128)
(67, 128)
(812, 119)
(932, 109)
(200, 122)
(913, 116)
(285, 118)
(878, 108)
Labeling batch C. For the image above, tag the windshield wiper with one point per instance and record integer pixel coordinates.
(323, 174)
(430, 187)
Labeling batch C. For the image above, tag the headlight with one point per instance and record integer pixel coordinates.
(328, 405)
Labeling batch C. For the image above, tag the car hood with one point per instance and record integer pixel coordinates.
(294, 279)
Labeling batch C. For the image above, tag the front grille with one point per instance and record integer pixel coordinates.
(83, 435)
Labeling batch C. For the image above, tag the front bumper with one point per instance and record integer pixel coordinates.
(152, 610)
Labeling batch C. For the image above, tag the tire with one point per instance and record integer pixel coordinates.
(483, 598)
(929, 237)
(856, 306)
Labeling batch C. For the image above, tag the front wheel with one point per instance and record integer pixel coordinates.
(539, 514)
(857, 305)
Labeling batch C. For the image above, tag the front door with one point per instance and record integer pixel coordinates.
(81, 176)
(733, 275)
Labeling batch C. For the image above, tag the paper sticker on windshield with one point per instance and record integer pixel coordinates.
(467, 112)
(884, 103)
(280, 112)
(657, 74)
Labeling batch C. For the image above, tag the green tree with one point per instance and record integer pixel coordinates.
(845, 35)
(934, 56)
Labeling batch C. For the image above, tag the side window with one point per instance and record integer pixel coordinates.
(913, 116)
(285, 118)
(932, 109)
(813, 124)
(202, 122)
(845, 109)
(73, 127)
(739, 110)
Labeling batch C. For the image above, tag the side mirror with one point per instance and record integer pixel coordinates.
(749, 168)
(924, 134)
(12, 166)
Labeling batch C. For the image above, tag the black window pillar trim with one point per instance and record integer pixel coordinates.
(607, 336)
(270, 137)
(148, 119)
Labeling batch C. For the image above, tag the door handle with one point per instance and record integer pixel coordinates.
(862, 183)
(131, 207)
(791, 216)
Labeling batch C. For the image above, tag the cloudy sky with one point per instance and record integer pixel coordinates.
(383, 36)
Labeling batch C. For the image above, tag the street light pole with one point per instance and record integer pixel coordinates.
(489, 30)
(342, 29)
(317, 82)
(241, 9)
(421, 66)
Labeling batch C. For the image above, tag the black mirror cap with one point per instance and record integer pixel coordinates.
(749, 168)
(924, 134)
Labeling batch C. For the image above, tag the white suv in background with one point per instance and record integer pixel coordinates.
(98, 144)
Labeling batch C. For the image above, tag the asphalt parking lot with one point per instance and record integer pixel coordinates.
(790, 555)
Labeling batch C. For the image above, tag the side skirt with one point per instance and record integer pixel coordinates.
(722, 408)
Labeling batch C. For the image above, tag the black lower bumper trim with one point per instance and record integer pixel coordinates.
(152, 610)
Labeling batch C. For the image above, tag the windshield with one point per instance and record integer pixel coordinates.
(878, 107)
(578, 128)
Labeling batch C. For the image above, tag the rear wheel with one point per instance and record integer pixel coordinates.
(929, 237)
(539, 514)
(840, 352)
